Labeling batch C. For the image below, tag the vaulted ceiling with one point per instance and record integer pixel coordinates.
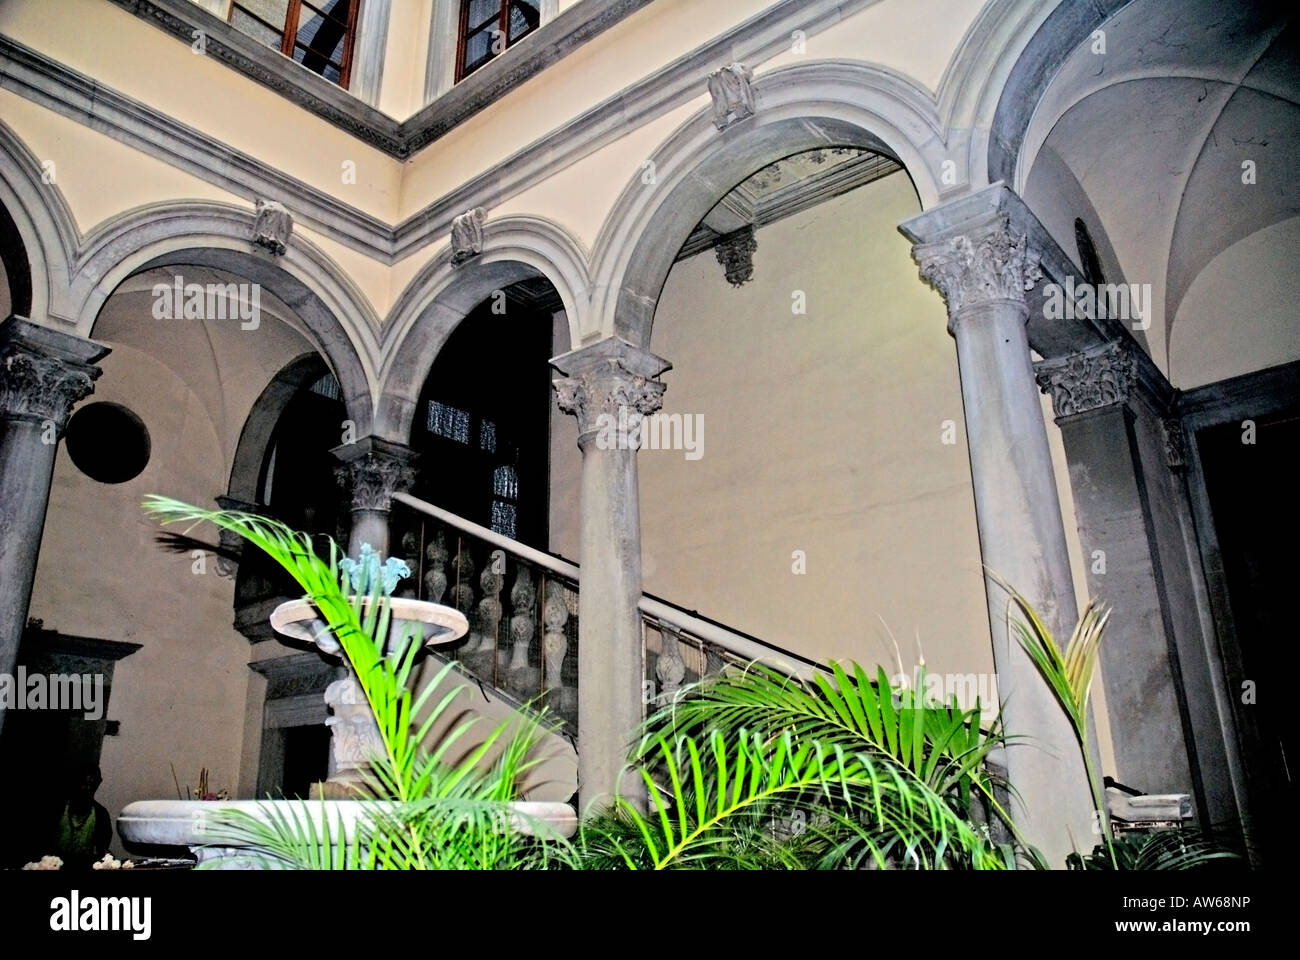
(1153, 144)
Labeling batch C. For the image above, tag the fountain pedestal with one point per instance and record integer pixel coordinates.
(354, 735)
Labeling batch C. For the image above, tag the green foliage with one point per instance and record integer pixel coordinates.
(758, 770)
(440, 813)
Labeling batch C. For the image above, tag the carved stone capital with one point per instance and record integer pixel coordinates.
(609, 378)
(467, 235)
(372, 471)
(1088, 381)
(273, 226)
(44, 372)
(735, 252)
(987, 262)
(731, 88)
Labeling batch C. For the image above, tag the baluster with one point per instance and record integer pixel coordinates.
(555, 613)
(462, 594)
(522, 600)
(411, 554)
(491, 580)
(671, 668)
(435, 575)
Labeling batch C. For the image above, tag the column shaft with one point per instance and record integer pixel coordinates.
(610, 379)
(43, 372)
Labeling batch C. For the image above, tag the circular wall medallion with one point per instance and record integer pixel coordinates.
(107, 442)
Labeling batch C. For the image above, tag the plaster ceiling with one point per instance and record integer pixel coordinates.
(1155, 132)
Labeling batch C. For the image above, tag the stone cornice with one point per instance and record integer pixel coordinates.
(38, 78)
(1083, 382)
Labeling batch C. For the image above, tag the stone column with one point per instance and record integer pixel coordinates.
(609, 387)
(982, 268)
(371, 472)
(43, 373)
(1091, 397)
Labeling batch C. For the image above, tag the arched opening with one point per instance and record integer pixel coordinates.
(808, 513)
(482, 424)
(15, 270)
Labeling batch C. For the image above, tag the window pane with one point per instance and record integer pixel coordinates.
(480, 12)
(487, 436)
(326, 386)
(448, 422)
(323, 36)
(258, 31)
(478, 47)
(503, 519)
(505, 483)
(272, 11)
(524, 17)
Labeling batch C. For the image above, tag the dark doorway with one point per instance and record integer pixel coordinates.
(1252, 494)
(483, 421)
(306, 759)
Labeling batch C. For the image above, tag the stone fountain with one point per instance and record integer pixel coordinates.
(354, 734)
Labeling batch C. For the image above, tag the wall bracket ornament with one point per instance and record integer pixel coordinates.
(1088, 381)
(731, 88)
(735, 252)
(467, 235)
(987, 262)
(272, 227)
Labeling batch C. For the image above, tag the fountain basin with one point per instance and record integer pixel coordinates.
(195, 824)
(438, 624)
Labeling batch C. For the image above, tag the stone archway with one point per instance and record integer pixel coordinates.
(804, 107)
(438, 298)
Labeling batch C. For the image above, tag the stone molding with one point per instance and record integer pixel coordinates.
(43, 372)
(232, 544)
(609, 378)
(40, 79)
(1088, 381)
(986, 262)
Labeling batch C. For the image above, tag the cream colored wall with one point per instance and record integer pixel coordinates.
(1239, 315)
(822, 434)
(181, 699)
(149, 65)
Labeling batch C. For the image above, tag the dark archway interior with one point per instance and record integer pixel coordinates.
(17, 269)
(297, 486)
(482, 424)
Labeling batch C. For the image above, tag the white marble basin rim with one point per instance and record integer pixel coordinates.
(438, 624)
(193, 823)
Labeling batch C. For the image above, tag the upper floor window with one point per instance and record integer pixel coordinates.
(316, 33)
(487, 27)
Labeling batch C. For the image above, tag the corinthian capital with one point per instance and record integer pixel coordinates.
(372, 471)
(1088, 381)
(609, 378)
(44, 372)
(987, 261)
